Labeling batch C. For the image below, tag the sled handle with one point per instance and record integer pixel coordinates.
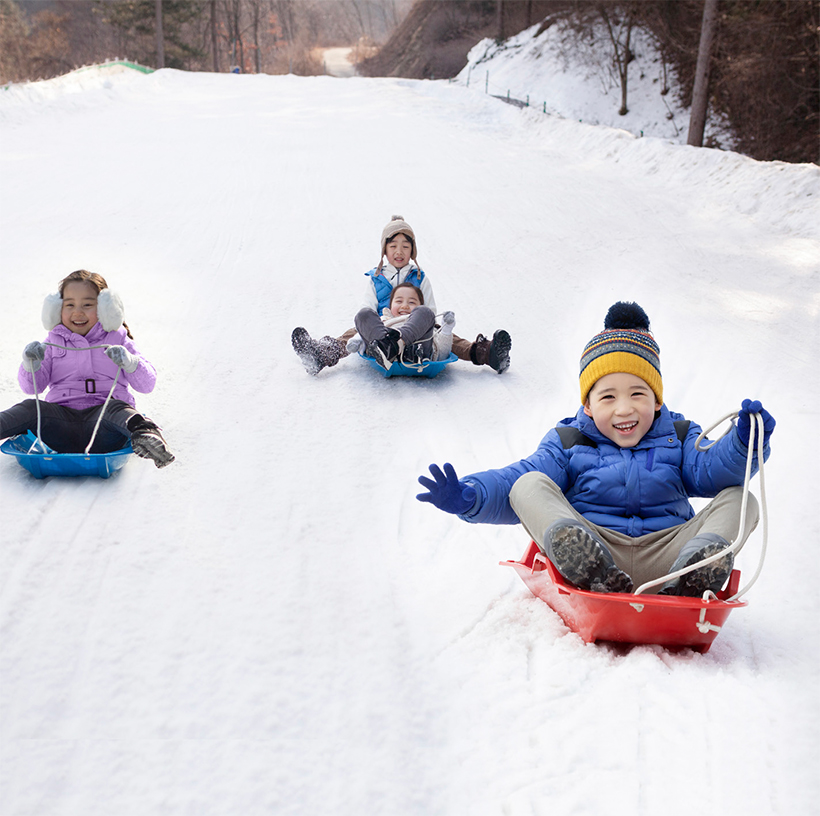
(756, 427)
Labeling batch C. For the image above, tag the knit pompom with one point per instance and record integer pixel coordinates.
(397, 218)
(625, 315)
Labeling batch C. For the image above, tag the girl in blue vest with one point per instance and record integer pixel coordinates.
(606, 494)
(398, 265)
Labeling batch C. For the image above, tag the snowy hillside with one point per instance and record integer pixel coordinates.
(274, 624)
(578, 82)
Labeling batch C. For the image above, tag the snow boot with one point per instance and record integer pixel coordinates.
(317, 354)
(495, 353)
(147, 441)
(583, 559)
(710, 577)
(385, 349)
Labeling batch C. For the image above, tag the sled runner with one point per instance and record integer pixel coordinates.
(664, 620)
(426, 368)
(41, 461)
(625, 618)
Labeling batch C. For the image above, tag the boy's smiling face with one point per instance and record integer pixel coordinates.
(623, 407)
(398, 250)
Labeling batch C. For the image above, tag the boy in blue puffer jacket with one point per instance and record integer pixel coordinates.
(606, 495)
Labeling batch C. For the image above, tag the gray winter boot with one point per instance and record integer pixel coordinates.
(147, 441)
(710, 577)
(583, 559)
(317, 354)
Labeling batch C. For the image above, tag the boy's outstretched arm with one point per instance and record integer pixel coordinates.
(446, 492)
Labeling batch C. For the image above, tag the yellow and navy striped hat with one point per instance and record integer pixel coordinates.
(625, 345)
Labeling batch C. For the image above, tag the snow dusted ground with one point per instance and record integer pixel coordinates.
(273, 624)
(578, 82)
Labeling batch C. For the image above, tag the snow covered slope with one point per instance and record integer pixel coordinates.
(578, 82)
(273, 624)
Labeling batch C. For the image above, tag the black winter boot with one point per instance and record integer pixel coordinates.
(385, 349)
(495, 353)
(317, 354)
(583, 559)
(147, 441)
(711, 577)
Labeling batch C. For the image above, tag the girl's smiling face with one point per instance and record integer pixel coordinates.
(404, 301)
(398, 250)
(622, 406)
(79, 313)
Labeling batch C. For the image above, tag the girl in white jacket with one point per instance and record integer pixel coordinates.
(406, 330)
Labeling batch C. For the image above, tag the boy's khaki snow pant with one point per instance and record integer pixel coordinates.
(538, 502)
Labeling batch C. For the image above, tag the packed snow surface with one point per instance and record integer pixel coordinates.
(273, 624)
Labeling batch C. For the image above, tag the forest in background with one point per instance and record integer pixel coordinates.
(764, 68)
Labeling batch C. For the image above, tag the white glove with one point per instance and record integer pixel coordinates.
(33, 355)
(123, 358)
(355, 345)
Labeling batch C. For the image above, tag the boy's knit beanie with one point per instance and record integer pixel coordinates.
(625, 345)
(397, 224)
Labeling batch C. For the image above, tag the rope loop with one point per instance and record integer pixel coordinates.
(755, 432)
(104, 406)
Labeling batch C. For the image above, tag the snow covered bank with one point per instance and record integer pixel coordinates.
(579, 83)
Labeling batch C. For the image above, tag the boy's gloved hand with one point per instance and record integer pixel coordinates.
(119, 355)
(447, 492)
(33, 355)
(744, 420)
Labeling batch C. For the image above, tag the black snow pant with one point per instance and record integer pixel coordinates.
(68, 430)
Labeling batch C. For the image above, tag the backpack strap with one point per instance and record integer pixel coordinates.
(570, 437)
(682, 428)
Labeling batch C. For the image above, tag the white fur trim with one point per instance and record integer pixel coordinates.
(52, 310)
(110, 310)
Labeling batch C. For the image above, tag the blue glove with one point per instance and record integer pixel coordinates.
(744, 421)
(123, 358)
(33, 355)
(447, 492)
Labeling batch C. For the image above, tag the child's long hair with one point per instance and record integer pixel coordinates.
(96, 280)
(406, 285)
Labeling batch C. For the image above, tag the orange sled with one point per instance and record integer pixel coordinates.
(625, 618)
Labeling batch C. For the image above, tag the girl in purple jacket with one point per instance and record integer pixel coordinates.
(78, 362)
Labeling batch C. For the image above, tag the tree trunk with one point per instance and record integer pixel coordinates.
(700, 94)
(160, 38)
(213, 37)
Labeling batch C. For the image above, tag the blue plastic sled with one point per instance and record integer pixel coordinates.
(429, 368)
(41, 464)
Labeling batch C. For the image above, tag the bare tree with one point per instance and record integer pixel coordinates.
(620, 35)
(700, 93)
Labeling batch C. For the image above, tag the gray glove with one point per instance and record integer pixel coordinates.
(33, 355)
(123, 358)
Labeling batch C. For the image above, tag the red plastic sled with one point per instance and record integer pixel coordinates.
(625, 618)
